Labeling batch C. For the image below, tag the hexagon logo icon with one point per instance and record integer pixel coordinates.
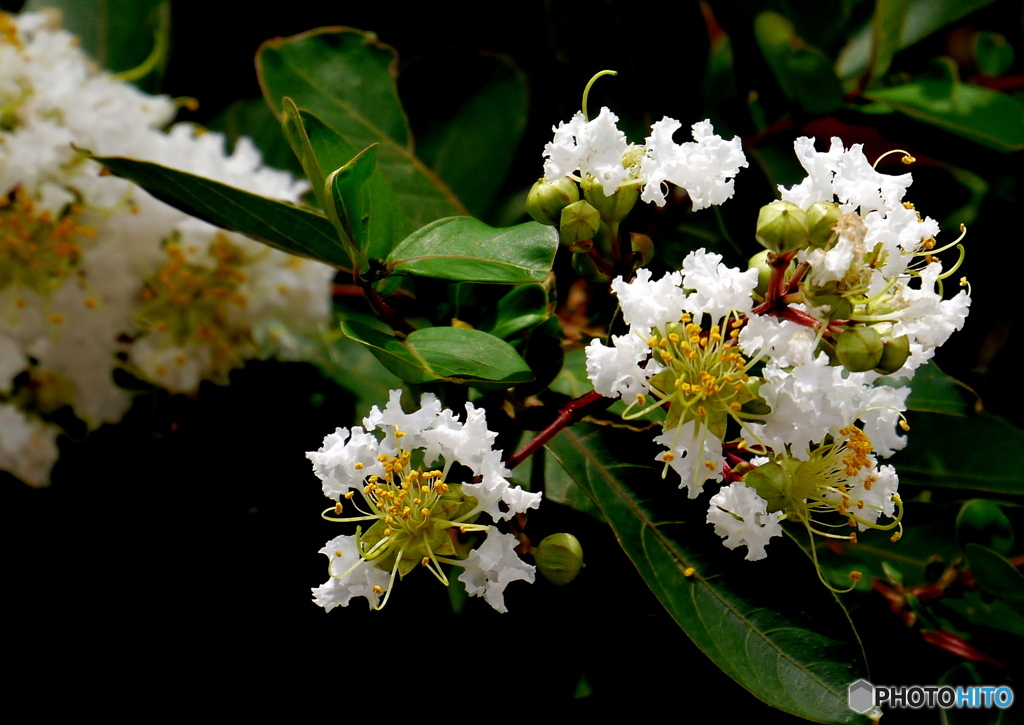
(861, 696)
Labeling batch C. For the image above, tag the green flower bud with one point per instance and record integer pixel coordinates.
(559, 558)
(782, 227)
(894, 354)
(546, 201)
(821, 217)
(612, 208)
(859, 349)
(579, 221)
(585, 267)
(772, 483)
(764, 271)
(839, 307)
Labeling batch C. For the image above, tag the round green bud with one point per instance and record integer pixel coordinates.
(772, 483)
(894, 354)
(580, 221)
(821, 217)
(764, 271)
(615, 207)
(859, 349)
(839, 308)
(546, 201)
(782, 227)
(559, 558)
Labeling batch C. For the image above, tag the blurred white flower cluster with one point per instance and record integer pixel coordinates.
(398, 474)
(773, 380)
(95, 274)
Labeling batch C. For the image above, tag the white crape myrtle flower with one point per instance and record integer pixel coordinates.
(28, 447)
(682, 351)
(598, 151)
(740, 516)
(94, 271)
(705, 167)
(412, 510)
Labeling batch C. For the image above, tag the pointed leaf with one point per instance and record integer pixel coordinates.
(464, 249)
(451, 354)
(272, 222)
(932, 391)
(370, 216)
(769, 625)
(982, 115)
(804, 72)
(346, 78)
(994, 574)
(886, 29)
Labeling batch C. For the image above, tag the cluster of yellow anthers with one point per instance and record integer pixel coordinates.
(191, 302)
(704, 369)
(408, 503)
(36, 251)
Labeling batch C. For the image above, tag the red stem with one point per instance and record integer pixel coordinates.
(573, 411)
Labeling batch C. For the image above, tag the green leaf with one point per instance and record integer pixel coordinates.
(993, 54)
(372, 219)
(983, 522)
(886, 31)
(120, 35)
(346, 79)
(473, 148)
(982, 452)
(922, 18)
(982, 115)
(273, 222)
(804, 73)
(524, 307)
(463, 249)
(932, 391)
(790, 645)
(994, 574)
(451, 354)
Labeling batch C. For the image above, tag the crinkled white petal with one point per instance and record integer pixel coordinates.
(717, 288)
(345, 460)
(493, 566)
(615, 369)
(692, 447)
(740, 516)
(345, 581)
(647, 305)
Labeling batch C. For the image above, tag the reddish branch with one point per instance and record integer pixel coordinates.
(573, 412)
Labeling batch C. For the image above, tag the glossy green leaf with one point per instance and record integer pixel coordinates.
(981, 452)
(523, 307)
(932, 391)
(450, 354)
(464, 249)
(372, 218)
(985, 116)
(273, 222)
(982, 522)
(922, 18)
(473, 147)
(790, 645)
(347, 79)
(120, 35)
(804, 73)
(886, 32)
(994, 574)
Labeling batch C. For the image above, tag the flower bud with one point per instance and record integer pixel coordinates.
(859, 349)
(821, 217)
(772, 483)
(546, 201)
(839, 308)
(894, 354)
(782, 227)
(579, 221)
(559, 558)
(615, 207)
(764, 271)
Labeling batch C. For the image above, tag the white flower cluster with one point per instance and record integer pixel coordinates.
(414, 508)
(697, 335)
(96, 274)
(598, 150)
